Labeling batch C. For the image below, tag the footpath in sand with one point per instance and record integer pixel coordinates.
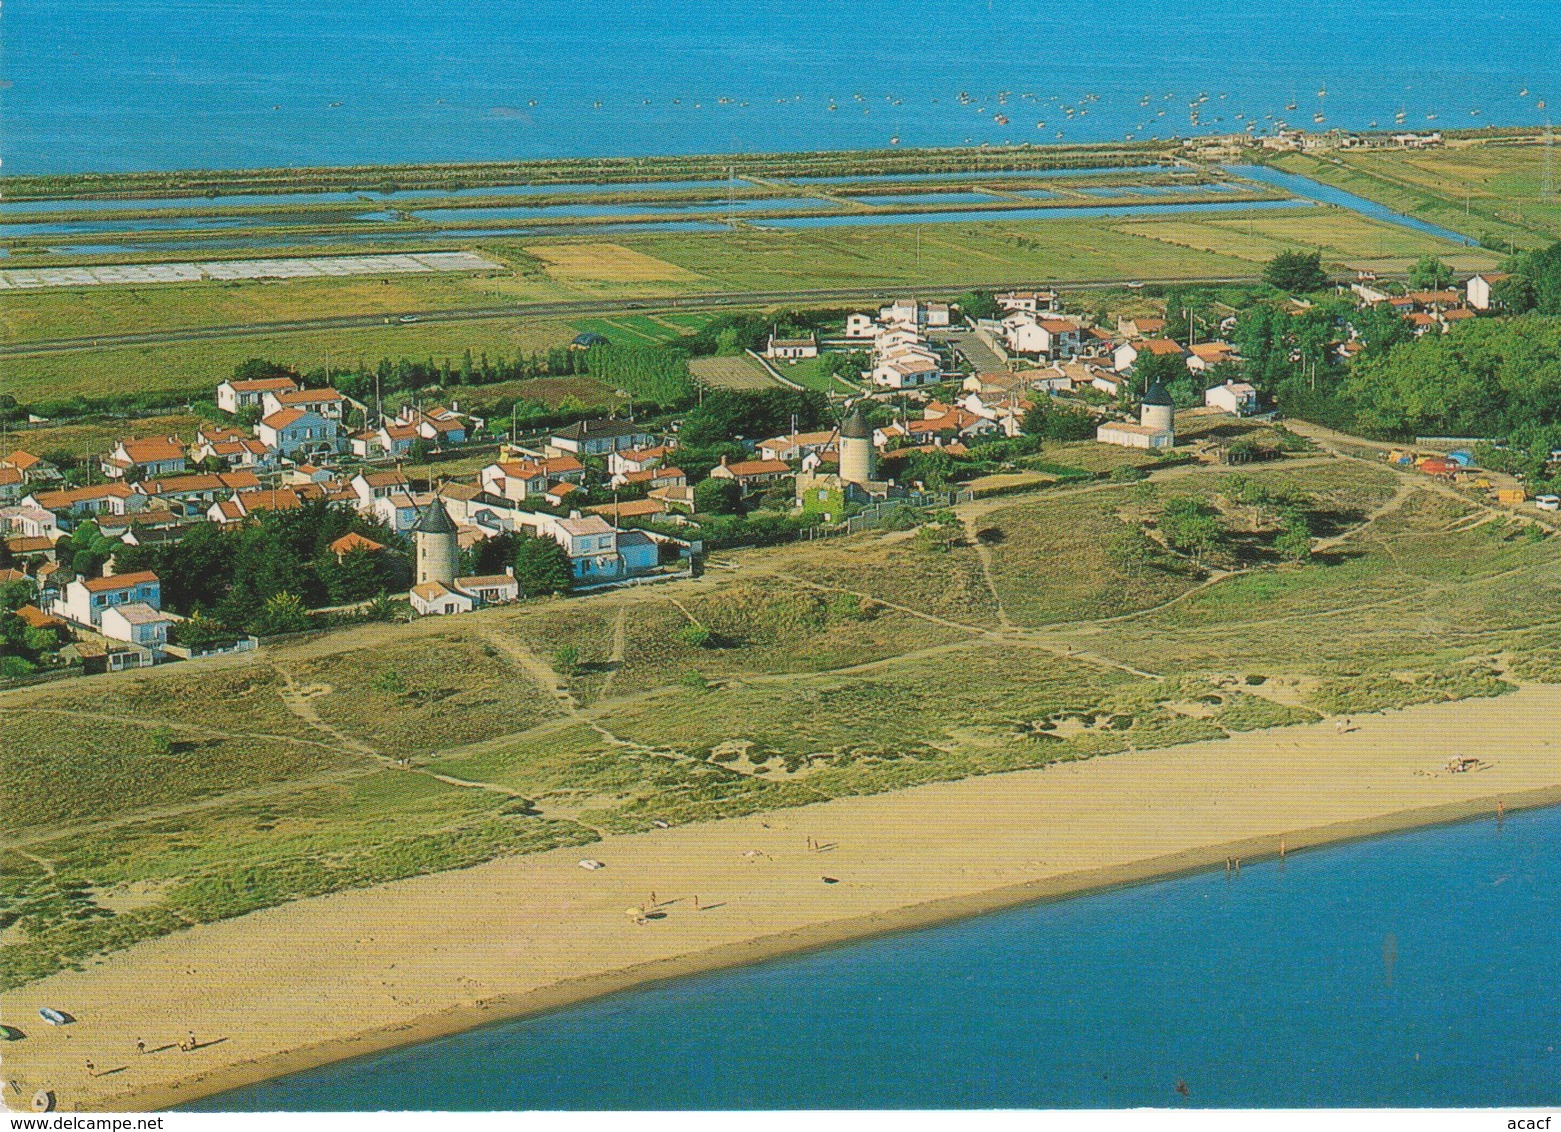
(341, 975)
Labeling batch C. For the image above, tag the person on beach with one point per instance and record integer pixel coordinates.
(141, 1046)
(92, 1070)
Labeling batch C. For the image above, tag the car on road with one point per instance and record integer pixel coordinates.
(1548, 502)
(407, 318)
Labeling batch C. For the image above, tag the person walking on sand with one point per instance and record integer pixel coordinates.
(191, 1038)
(92, 1070)
(141, 1046)
(1338, 726)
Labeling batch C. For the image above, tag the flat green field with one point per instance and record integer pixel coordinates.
(133, 806)
(1488, 191)
(195, 368)
(1343, 237)
(81, 312)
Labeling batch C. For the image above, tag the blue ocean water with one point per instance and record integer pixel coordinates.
(160, 84)
(1413, 970)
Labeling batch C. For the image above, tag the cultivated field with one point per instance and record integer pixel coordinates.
(194, 368)
(82, 312)
(605, 264)
(1487, 191)
(1343, 237)
(741, 373)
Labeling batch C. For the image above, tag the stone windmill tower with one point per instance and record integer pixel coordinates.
(1157, 409)
(856, 448)
(437, 552)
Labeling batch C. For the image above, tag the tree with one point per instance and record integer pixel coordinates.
(282, 613)
(1487, 378)
(1059, 422)
(1296, 272)
(542, 567)
(1537, 281)
(1379, 328)
(14, 595)
(198, 631)
(259, 369)
(566, 659)
(1295, 536)
(1168, 369)
(354, 578)
(934, 470)
(1430, 274)
(1191, 526)
(979, 305)
(718, 496)
(1131, 551)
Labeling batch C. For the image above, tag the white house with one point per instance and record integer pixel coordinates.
(137, 623)
(515, 480)
(294, 431)
(1479, 289)
(598, 551)
(937, 314)
(861, 326)
(149, 456)
(791, 349)
(1235, 397)
(1134, 435)
(901, 311)
(1035, 302)
(235, 395)
(906, 373)
(1051, 338)
(490, 589)
(369, 486)
(325, 403)
(434, 599)
(1126, 355)
(85, 600)
(637, 459)
(597, 438)
(1206, 355)
(116, 498)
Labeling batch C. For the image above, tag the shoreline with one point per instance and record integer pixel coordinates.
(158, 184)
(525, 936)
(574, 992)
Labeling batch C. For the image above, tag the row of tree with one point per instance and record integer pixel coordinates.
(231, 574)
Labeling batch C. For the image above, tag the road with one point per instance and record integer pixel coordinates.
(558, 308)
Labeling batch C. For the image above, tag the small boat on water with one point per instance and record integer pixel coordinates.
(53, 1017)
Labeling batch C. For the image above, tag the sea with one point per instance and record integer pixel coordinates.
(1413, 970)
(112, 85)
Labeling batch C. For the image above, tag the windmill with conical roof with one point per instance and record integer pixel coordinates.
(1157, 410)
(856, 448)
(437, 550)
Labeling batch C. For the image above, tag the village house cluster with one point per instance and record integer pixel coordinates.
(989, 375)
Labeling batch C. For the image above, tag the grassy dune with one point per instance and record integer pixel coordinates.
(136, 805)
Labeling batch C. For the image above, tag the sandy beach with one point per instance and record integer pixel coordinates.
(343, 975)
